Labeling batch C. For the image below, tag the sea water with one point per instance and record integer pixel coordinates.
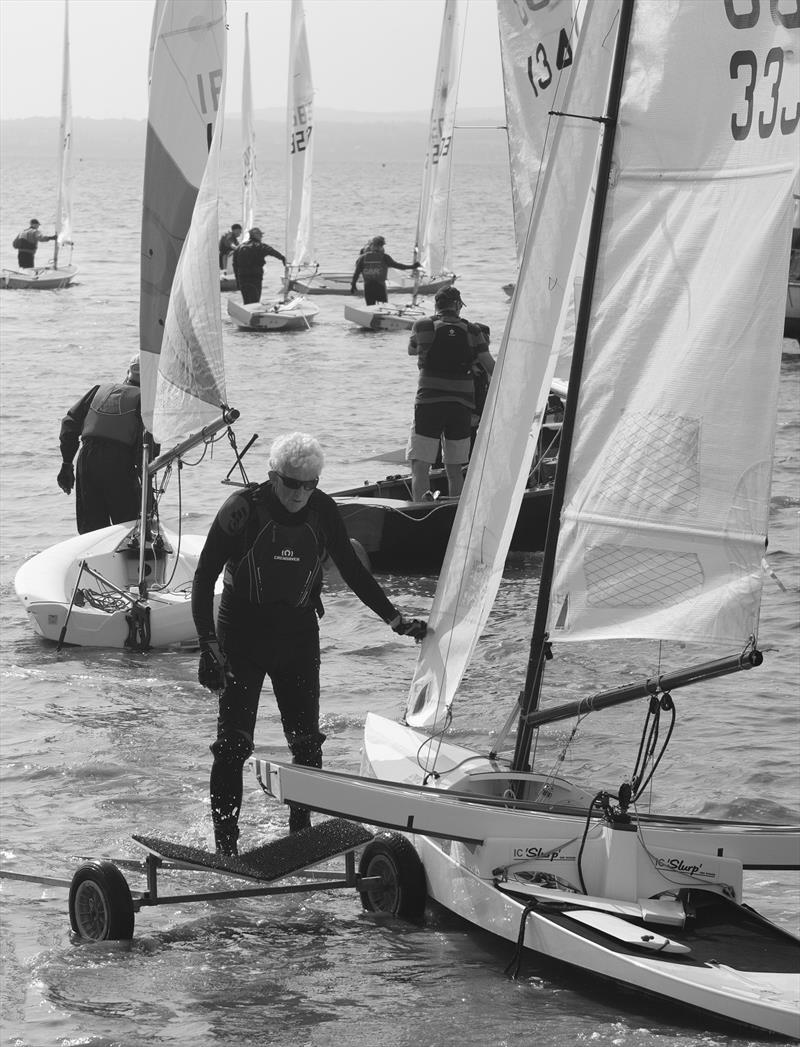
(97, 745)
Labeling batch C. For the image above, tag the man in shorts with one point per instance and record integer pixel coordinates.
(448, 349)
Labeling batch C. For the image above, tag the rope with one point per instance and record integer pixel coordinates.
(512, 970)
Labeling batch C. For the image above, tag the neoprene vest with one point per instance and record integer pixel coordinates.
(283, 562)
(374, 265)
(114, 414)
(249, 259)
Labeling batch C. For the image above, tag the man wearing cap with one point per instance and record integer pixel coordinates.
(448, 350)
(248, 265)
(107, 422)
(228, 243)
(374, 264)
(27, 242)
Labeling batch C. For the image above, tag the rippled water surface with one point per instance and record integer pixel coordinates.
(97, 745)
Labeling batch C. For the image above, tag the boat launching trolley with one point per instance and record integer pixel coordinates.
(102, 905)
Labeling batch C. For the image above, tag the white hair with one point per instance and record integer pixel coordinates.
(297, 450)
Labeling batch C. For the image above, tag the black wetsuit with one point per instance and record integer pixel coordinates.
(248, 267)
(267, 625)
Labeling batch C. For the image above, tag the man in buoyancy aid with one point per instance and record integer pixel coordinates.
(107, 422)
(373, 263)
(448, 348)
(271, 540)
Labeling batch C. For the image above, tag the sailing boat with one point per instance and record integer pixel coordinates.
(129, 585)
(433, 232)
(291, 312)
(657, 532)
(54, 276)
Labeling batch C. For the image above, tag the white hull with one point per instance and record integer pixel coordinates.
(383, 317)
(486, 856)
(44, 279)
(45, 585)
(293, 315)
(339, 283)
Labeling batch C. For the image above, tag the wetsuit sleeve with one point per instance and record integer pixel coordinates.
(358, 269)
(270, 251)
(352, 570)
(223, 543)
(396, 265)
(72, 425)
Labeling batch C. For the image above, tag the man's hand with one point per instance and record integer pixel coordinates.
(213, 671)
(413, 627)
(66, 477)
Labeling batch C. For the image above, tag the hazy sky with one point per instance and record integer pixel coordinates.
(368, 55)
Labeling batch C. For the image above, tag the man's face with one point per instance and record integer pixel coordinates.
(291, 497)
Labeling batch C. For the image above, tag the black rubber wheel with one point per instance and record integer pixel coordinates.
(402, 890)
(100, 903)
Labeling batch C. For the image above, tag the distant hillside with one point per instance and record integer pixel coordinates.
(340, 136)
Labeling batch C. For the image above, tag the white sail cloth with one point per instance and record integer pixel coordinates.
(190, 387)
(299, 125)
(666, 508)
(433, 234)
(498, 472)
(64, 201)
(248, 138)
(186, 70)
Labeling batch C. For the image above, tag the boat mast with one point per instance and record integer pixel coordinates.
(539, 647)
(64, 132)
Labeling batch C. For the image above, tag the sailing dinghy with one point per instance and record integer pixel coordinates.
(432, 241)
(291, 312)
(113, 587)
(56, 275)
(677, 126)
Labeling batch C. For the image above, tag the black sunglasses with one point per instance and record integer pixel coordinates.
(295, 485)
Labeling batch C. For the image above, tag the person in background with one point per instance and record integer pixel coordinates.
(228, 243)
(107, 422)
(271, 540)
(27, 242)
(248, 265)
(373, 264)
(448, 348)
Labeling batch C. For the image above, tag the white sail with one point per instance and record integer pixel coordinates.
(665, 512)
(433, 233)
(300, 125)
(186, 64)
(190, 390)
(64, 198)
(248, 138)
(504, 448)
(537, 46)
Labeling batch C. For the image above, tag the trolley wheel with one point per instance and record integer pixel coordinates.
(402, 891)
(100, 903)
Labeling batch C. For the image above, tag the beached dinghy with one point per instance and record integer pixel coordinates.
(110, 588)
(432, 241)
(291, 312)
(56, 275)
(659, 519)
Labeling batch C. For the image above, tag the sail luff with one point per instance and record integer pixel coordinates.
(431, 246)
(529, 699)
(187, 48)
(504, 448)
(248, 137)
(64, 196)
(299, 127)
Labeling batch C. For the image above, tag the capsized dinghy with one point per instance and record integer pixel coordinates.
(660, 512)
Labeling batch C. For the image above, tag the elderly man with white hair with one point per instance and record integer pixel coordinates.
(271, 541)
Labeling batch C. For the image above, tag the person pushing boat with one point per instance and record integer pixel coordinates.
(373, 264)
(248, 265)
(271, 540)
(27, 242)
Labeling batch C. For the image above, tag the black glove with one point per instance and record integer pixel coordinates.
(66, 477)
(213, 671)
(413, 627)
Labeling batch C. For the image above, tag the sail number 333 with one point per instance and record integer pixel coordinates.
(762, 78)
